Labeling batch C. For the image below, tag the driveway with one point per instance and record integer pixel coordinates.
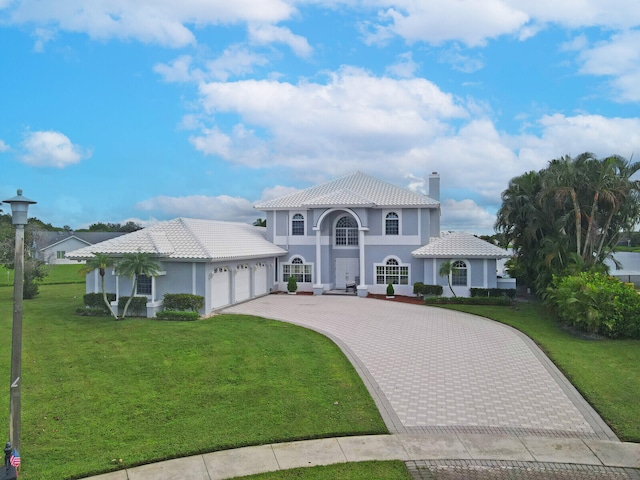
(433, 370)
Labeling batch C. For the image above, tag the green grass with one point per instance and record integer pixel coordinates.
(64, 274)
(57, 274)
(606, 372)
(95, 390)
(392, 470)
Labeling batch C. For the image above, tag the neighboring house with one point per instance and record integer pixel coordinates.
(225, 262)
(361, 231)
(355, 232)
(52, 247)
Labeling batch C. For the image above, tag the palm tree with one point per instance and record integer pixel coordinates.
(134, 264)
(260, 222)
(100, 262)
(446, 269)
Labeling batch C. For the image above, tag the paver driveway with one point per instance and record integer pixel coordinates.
(432, 369)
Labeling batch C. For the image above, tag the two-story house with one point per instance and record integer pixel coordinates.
(361, 231)
(356, 232)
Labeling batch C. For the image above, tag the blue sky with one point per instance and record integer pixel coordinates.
(147, 110)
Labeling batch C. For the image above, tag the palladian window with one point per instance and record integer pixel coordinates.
(301, 271)
(392, 272)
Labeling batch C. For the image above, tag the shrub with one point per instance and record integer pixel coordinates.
(390, 291)
(292, 284)
(595, 302)
(493, 292)
(498, 301)
(421, 289)
(182, 301)
(137, 307)
(178, 315)
(95, 300)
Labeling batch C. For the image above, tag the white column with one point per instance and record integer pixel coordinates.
(361, 243)
(318, 259)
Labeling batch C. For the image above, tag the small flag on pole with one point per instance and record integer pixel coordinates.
(14, 460)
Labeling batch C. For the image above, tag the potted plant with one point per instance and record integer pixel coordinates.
(292, 285)
(390, 291)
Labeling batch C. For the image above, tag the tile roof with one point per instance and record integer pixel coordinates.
(459, 244)
(357, 189)
(189, 239)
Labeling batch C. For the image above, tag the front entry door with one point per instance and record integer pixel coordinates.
(347, 269)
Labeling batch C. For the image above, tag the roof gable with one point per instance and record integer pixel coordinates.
(356, 189)
(459, 244)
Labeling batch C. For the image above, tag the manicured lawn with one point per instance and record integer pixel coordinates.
(393, 470)
(96, 391)
(606, 372)
(57, 274)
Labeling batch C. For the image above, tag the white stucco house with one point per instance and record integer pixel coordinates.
(355, 232)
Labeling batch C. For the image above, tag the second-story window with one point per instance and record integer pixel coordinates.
(392, 224)
(346, 231)
(297, 224)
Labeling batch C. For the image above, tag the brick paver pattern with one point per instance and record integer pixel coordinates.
(437, 367)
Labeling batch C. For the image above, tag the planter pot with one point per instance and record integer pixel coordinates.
(291, 293)
(391, 296)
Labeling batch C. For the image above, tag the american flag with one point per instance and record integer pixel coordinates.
(14, 460)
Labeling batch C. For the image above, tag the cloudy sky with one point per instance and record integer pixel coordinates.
(145, 110)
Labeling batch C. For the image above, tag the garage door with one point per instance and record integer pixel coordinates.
(260, 279)
(220, 287)
(243, 283)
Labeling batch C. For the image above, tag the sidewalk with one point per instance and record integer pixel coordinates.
(613, 459)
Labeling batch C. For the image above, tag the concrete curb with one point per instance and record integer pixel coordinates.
(407, 448)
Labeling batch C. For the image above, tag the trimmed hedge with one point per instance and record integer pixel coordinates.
(420, 288)
(137, 308)
(177, 315)
(493, 292)
(499, 301)
(95, 300)
(182, 301)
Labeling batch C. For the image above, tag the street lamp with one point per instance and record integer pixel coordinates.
(19, 208)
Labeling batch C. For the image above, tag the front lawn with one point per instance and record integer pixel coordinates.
(606, 372)
(97, 390)
(391, 470)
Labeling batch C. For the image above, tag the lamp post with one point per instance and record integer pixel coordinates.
(19, 208)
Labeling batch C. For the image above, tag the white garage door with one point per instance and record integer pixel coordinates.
(220, 287)
(243, 283)
(260, 279)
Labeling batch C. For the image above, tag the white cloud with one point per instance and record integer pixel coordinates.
(618, 57)
(466, 215)
(4, 147)
(405, 67)
(222, 207)
(266, 34)
(276, 192)
(149, 21)
(237, 60)
(471, 23)
(178, 70)
(51, 149)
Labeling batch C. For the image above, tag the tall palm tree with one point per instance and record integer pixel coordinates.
(100, 262)
(134, 264)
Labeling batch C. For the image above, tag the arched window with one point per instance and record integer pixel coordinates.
(392, 272)
(346, 231)
(459, 273)
(392, 224)
(300, 270)
(297, 224)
